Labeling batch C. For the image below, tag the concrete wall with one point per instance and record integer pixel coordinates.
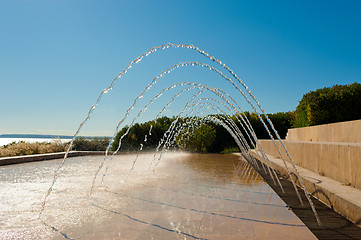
(332, 155)
(335, 132)
(343, 199)
(339, 161)
(332, 150)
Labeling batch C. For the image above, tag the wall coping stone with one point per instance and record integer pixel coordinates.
(45, 156)
(314, 142)
(348, 131)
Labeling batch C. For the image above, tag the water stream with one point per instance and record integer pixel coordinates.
(204, 104)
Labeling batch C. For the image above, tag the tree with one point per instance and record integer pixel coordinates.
(139, 134)
(198, 140)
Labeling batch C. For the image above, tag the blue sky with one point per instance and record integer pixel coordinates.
(57, 56)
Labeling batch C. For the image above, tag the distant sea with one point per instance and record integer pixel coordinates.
(4, 141)
(9, 138)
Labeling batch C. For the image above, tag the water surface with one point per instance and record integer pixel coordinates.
(187, 196)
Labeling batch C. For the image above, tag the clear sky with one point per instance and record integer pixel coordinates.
(57, 55)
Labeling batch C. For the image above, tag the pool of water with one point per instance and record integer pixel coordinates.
(186, 196)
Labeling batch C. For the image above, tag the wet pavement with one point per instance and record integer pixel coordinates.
(186, 196)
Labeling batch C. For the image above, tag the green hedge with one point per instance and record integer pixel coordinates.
(90, 144)
(137, 133)
(199, 140)
(209, 137)
(328, 105)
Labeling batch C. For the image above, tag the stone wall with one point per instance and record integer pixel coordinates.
(339, 161)
(331, 150)
(349, 131)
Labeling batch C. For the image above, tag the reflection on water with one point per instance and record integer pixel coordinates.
(189, 196)
(225, 168)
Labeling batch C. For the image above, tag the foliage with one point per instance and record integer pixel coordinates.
(328, 105)
(199, 140)
(138, 135)
(222, 141)
(90, 144)
(338, 103)
(281, 121)
(26, 148)
(209, 137)
(230, 150)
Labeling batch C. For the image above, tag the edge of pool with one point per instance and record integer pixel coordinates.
(44, 157)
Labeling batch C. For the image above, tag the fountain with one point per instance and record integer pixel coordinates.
(205, 104)
(236, 134)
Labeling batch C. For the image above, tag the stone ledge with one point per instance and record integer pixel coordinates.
(316, 143)
(343, 199)
(334, 132)
(44, 157)
(339, 161)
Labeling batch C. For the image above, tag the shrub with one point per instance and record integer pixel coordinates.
(139, 131)
(198, 140)
(26, 148)
(90, 144)
(281, 121)
(328, 105)
(230, 150)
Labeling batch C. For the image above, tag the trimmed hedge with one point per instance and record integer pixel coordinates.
(329, 105)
